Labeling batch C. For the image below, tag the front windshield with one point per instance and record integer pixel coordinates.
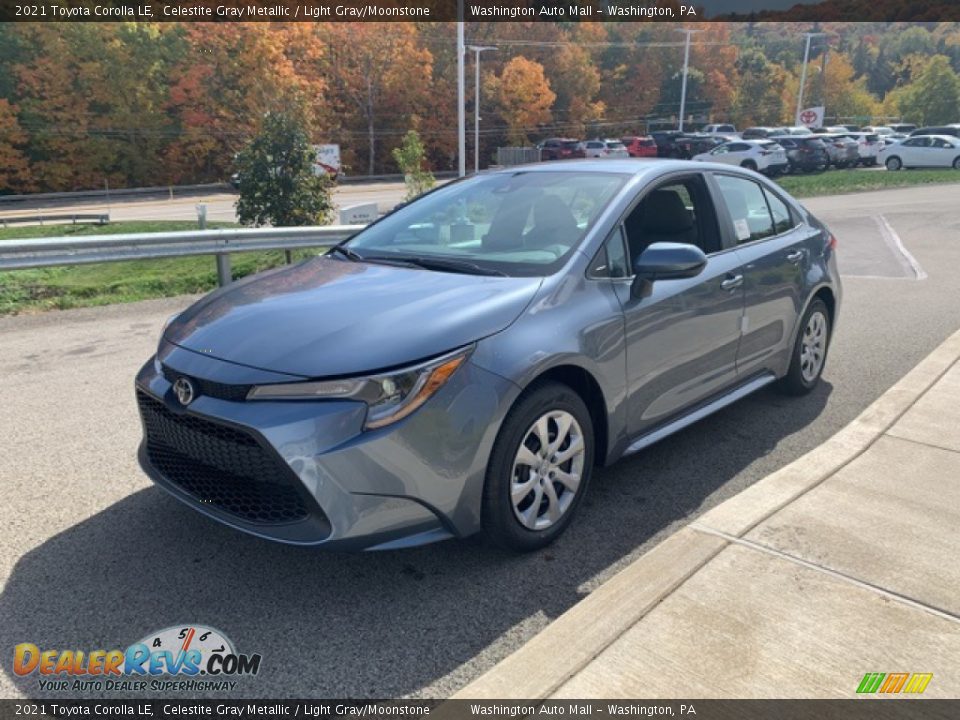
(522, 223)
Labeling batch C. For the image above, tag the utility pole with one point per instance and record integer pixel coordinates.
(686, 66)
(461, 100)
(803, 75)
(477, 49)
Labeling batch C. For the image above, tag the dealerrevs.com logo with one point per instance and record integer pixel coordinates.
(182, 657)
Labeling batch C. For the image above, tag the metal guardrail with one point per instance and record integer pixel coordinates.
(53, 251)
(98, 218)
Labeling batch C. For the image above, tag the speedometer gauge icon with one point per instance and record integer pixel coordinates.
(180, 639)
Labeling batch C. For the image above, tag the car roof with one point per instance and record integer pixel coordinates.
(951, 138)
(624, 166)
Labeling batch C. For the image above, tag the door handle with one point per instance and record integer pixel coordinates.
(796, 256)
(732, 282)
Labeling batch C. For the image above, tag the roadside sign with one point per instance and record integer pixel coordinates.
(327, 160)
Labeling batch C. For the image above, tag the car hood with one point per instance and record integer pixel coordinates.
(328, 317)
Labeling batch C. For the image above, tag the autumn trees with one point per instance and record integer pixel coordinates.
(133, 104)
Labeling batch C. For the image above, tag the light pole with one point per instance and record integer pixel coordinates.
(803, 75)
(686, 66)
(477, 49)
(461, 110)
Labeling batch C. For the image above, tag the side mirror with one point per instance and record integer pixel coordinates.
(666, 261)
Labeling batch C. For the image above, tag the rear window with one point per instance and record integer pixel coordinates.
(647, 143)
(872, 138)
(571, 144)
(614, 145)
(593, 145)
(811, 142)
(766, 143)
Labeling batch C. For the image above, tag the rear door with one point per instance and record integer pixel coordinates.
(772, 245)
(681, 335)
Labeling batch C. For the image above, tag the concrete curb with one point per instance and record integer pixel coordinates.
(567, 645)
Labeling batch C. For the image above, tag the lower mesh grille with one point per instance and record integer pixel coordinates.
(220, 466)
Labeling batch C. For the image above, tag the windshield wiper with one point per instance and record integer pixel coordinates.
(351, 255)
(453, 265)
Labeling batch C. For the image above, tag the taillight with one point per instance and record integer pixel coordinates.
(831, 242)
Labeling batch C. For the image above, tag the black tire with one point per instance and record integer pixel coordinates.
(956, 164)
(500, 523)
(749, 165)
(894, 163)
(795, 382)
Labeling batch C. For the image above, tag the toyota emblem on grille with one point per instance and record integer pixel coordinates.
(184, 390)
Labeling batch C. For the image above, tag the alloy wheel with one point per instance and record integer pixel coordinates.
(813, 347)
(547, 470)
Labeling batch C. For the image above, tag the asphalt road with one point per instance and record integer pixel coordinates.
(220, 207)
(93, 556)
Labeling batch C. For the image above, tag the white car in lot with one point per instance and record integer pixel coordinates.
(764, 156)
(607, 149)
(868, 145)
(923, 151)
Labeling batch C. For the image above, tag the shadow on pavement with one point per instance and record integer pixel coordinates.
(364, 625)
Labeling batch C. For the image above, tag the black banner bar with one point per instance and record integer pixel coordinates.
(893, 708)
(478, 10)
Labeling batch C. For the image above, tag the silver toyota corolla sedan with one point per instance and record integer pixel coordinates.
(463, 364)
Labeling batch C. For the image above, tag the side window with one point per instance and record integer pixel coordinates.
(611, 260)
(748, 208)
(678, 211)
(782, 220)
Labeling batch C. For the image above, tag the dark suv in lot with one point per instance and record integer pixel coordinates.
(561, 149)
(805, 153)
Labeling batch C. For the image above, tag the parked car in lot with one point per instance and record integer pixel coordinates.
(878, 129)
(605, 149)
(561, 149)
(868, 147)
(953, 129)
(804, 154)
(690, 145)
(719, 129)
(640, 145)
(905, 128)
(474, 373)
(798, 130)
(843, 151)
(757, 133)
(666, 141)
(923, 151)
(764, 156)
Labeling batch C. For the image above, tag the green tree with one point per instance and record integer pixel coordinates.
(277, 182)
(934, 97)
(409, 156)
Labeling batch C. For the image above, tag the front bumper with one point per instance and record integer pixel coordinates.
(305, 472)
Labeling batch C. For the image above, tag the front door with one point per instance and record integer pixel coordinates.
(682, 337)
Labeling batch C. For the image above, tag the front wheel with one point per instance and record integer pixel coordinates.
(956, 164)
(809, 351)
(894, 163)
(539, 469)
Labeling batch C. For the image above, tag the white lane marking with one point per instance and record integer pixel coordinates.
(894, 241)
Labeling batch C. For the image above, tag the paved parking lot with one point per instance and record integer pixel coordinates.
(95, 557)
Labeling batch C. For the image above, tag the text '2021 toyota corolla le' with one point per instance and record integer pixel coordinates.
(463, 364)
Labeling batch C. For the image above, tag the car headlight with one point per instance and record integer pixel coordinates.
(389, 396)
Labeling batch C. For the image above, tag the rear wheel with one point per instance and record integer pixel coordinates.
(893, 163)
(809, 351)
(539, 469)
(749, 165)
(956, 164)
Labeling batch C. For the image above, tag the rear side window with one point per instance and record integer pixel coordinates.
(782, 220)
(747, 204)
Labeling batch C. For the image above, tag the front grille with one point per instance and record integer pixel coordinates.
(220, 466)
(209, 388)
